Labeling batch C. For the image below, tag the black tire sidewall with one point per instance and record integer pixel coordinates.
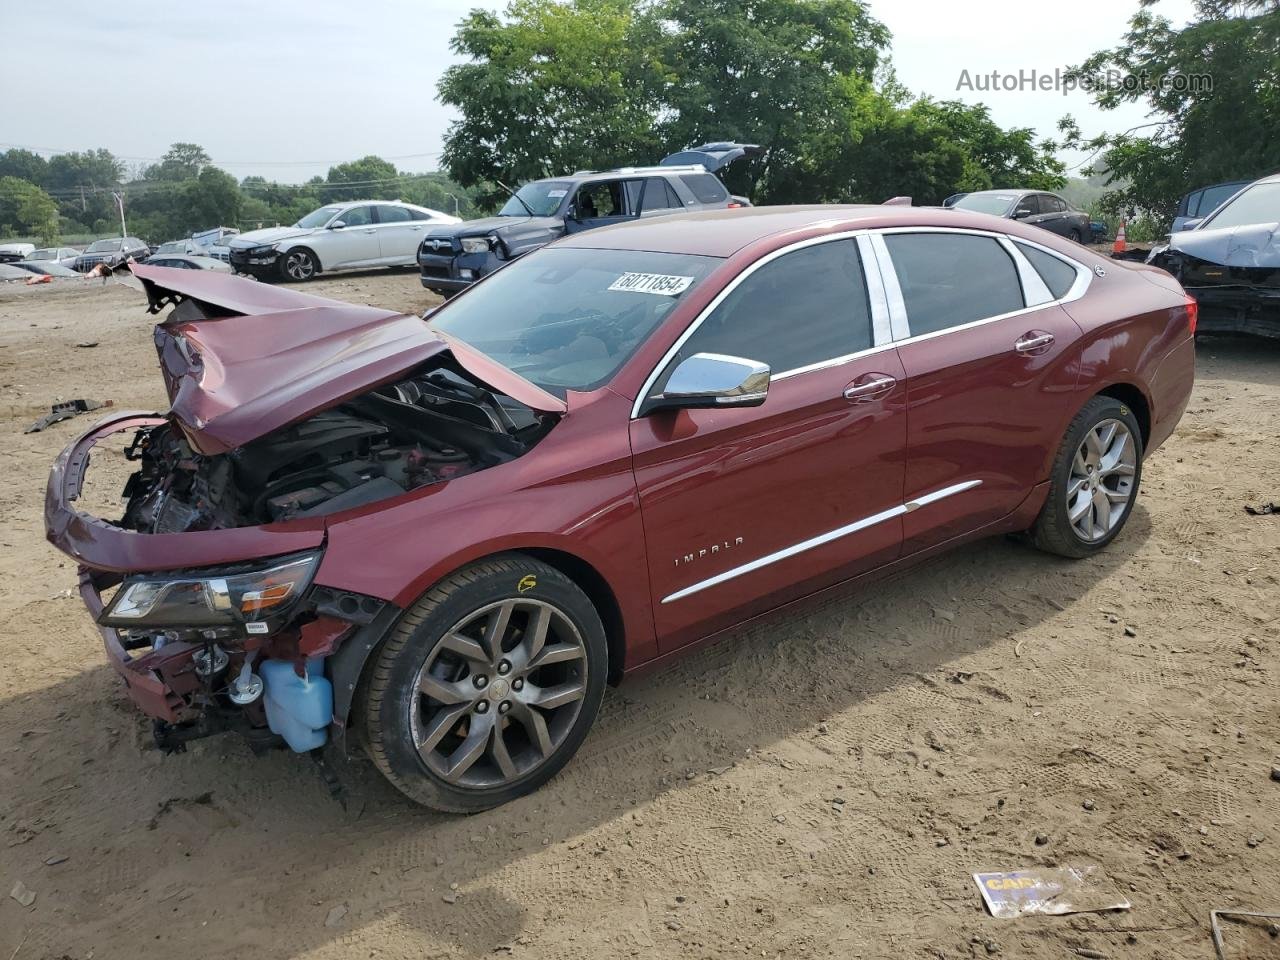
(413, 776)
(1097, 410)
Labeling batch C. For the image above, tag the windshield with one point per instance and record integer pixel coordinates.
(543, 199)
(568, 319)
(995, 203)
(1257, 204)
(99, 246)
(45, 254)
(173, 246)
(317, 218)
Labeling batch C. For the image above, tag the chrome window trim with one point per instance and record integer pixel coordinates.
(902, 322)
(821, 539)
(878, 325)
(893, 290)
(1035, 293)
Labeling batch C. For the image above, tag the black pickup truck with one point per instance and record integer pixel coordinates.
(453, 257)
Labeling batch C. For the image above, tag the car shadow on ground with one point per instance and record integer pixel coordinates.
(147, 834)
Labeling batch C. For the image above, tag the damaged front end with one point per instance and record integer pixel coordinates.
(287, 415)
(1234, 275)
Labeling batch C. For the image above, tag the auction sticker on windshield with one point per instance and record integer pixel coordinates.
(659, 283)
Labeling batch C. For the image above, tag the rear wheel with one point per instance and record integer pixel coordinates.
(1095, 480)
(1076, 235)
(487, 686)
(299, 264)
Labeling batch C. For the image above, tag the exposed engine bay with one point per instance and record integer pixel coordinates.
(434, 426)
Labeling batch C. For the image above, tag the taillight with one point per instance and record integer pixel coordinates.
(735, 206)
(1193, 314)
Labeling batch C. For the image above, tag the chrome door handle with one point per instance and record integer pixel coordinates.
(873, 386)
(1033, 341)
(368, 230)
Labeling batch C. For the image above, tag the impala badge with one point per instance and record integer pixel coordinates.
(710, 551)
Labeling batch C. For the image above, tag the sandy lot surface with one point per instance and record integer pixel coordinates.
(819, 786)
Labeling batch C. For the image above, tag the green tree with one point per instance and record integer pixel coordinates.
(551, 88)
(370, 177)
(182, 161)
(1200, 135)
(212, 199)
(24, 165)
(28, 210)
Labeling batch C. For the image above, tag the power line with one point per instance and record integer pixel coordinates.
(223, 163)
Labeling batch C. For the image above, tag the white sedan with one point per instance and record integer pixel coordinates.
(338, 236)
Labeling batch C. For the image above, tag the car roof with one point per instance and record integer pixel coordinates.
(722, 233)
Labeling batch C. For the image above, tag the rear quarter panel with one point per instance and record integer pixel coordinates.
(1136, 332)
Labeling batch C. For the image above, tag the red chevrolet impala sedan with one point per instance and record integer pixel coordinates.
(440, 539)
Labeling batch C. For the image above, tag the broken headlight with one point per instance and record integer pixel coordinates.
(240, 596)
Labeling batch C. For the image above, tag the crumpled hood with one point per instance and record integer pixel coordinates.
(1251, 245)
(241, 359)
(487, 225)
(256, 238)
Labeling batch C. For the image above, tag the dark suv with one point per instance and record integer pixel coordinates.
(453, 257)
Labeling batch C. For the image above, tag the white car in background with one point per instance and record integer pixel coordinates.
(64, 256)
(338, 236)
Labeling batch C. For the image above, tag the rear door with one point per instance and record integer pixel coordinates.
(988, 356)
(398, 235)
(1054, 214)
(746, 508)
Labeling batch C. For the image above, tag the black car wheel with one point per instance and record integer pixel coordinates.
(299, 264)
(487, 686)
(1076, 235)
(1094, 482)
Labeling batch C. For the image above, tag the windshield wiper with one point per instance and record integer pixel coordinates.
(517, 197)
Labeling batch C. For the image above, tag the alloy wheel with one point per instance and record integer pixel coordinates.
(1101, 482)
(299, 265)
(499, 693)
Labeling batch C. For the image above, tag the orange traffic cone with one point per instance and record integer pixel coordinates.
(1120, 246)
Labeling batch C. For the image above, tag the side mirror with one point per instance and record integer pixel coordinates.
(1022, 213)
(337, 225)
(1192, 223)
(714, 380)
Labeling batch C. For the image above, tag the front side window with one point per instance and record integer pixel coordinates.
(807, 306)
(602, 199)
(567, 318)
(949, 279)
(357, 216)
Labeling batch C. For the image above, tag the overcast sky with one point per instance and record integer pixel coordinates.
(286, 89)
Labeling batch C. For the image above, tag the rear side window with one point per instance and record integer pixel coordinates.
(1057, 275)
(805, 307)
(705, 187)
(658, 195)
(390, 214)
(948, 279)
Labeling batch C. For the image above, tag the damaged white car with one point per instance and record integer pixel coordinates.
(1230, 262)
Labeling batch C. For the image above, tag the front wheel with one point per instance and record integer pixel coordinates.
(487, 686)
(299, 264)
(1094, 482)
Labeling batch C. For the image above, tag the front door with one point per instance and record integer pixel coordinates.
(598, 204)
(746, 508)
(353, 244)
(990, 380)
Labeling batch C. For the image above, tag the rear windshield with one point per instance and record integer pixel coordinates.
(1259, 203)
(994, 203)
(568, 319)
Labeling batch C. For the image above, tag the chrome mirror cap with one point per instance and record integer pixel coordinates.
(714, 380)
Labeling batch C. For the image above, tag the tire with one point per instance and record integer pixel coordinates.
(299, 265)
(443, 721)
(1091, 473)
(1075, 235)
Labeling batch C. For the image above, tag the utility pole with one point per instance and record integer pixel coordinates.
(455, 203)
(120, 203)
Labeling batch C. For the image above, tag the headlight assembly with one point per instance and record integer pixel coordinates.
(235, 597)
(475, 244)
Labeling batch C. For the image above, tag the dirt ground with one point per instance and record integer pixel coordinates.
(823, 785)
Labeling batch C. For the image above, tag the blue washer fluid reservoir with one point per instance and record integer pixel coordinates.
(299, 709)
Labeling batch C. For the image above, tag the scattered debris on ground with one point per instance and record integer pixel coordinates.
(65, 411)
